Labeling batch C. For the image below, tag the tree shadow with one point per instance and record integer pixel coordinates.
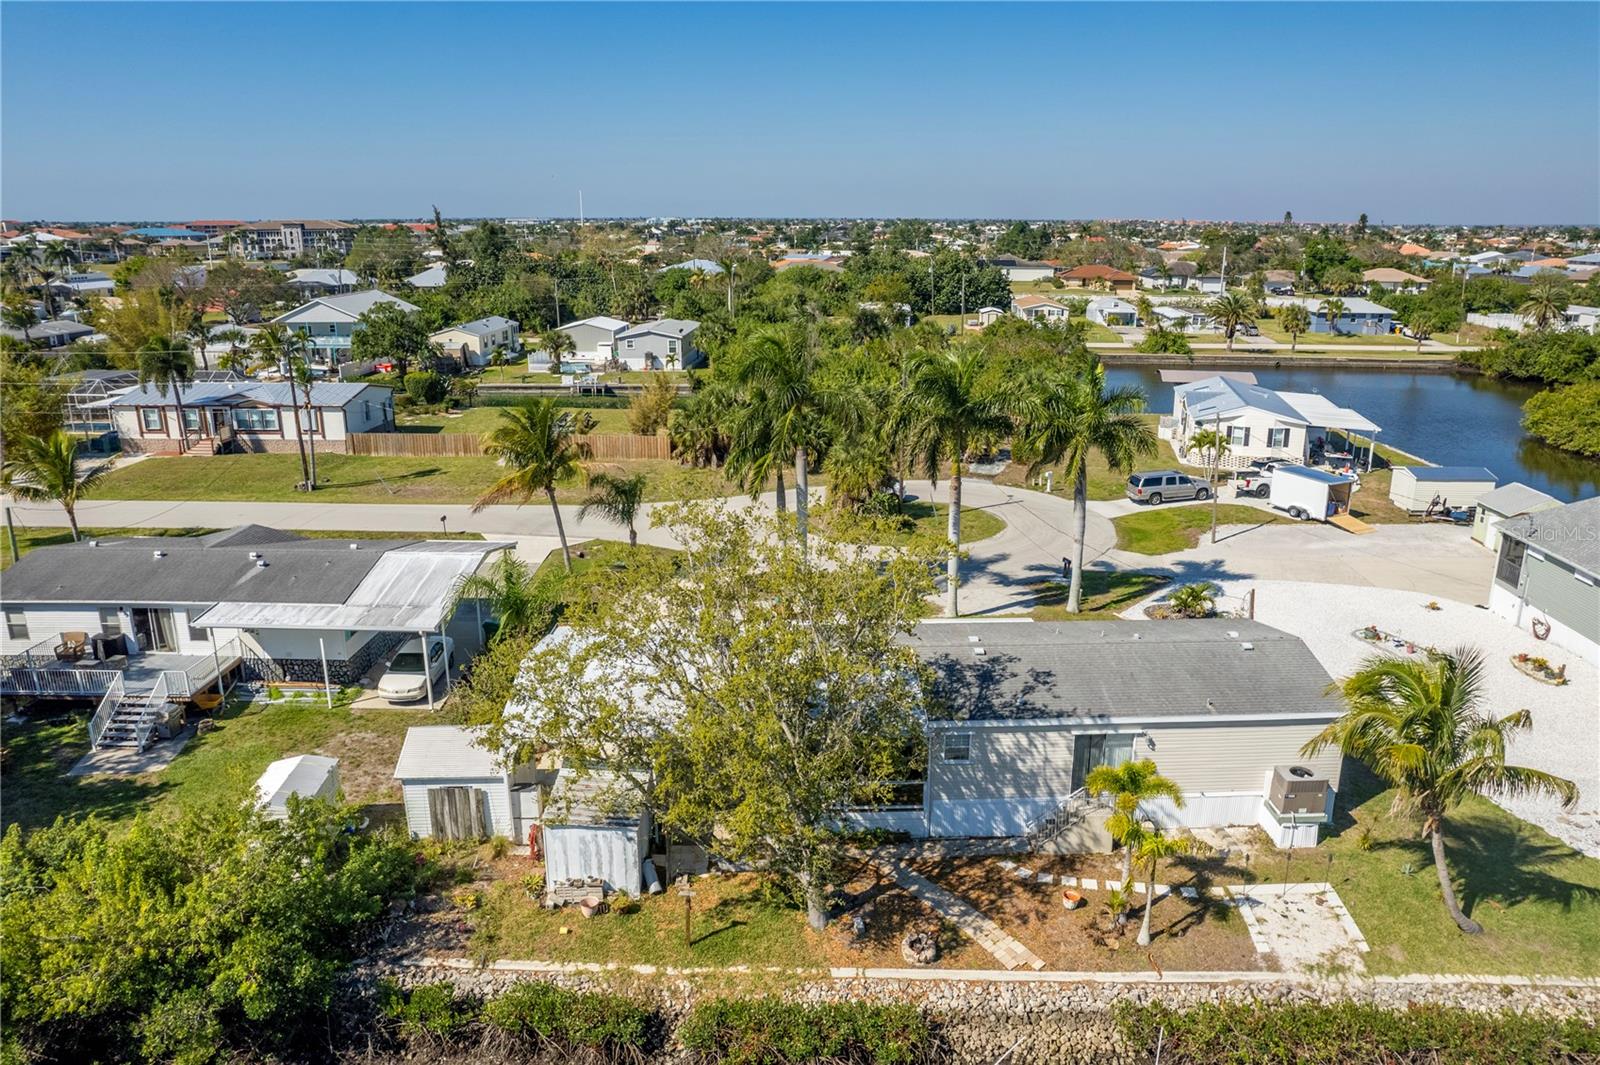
(410, 475)
(1502, 860)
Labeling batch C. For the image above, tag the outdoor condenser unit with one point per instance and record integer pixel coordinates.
(1297, 790)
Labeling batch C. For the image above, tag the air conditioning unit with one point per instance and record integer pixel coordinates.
(1298, 790)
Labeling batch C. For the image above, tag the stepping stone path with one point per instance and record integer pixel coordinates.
(959, 912)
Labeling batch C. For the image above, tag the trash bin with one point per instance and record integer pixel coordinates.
(107, 646)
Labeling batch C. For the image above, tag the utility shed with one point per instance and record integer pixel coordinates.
(1414, 488)
(1508, 501)
(592, 831)
(310, 776)
(455, 789)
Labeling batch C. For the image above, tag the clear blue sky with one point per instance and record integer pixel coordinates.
(1427, 112)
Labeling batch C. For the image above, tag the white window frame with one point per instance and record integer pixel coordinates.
(160, 420)
(15, 620)
(963, 744)
(1278, 437)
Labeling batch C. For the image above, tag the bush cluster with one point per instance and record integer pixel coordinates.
(1351, 1034)
(1568, 418)
(769, 1031)
(533, 1011)
(426, 386)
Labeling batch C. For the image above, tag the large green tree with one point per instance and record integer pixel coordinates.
(390, 334)
(1420, 725)
(1067, 414)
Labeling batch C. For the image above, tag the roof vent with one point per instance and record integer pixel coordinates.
(355, 547)
(254, 555)
(1138, 636)
(977, 650)
(261, 563)
(158, 553)
(1233, 634)
(1247, 646)
(94, 543)
(1210, 705)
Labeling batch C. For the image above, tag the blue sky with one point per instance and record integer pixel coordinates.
(1428, 112)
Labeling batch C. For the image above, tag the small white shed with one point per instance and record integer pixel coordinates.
(455, 789)
(310, 776)
(1508, 501)
(1415, 488)
(592, 829)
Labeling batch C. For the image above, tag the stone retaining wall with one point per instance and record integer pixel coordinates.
(1040, 1017)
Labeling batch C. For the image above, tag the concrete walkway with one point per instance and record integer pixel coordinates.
(980, 929)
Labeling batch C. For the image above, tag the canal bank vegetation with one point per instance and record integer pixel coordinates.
(1567, 418)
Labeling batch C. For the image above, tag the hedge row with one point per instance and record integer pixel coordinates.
(1352, 1034)
(531, 1010)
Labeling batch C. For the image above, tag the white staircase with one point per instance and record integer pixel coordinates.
(1072, 812)
(127, 719)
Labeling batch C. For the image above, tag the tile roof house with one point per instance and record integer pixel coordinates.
(1395, 280)
(1039, 308)
(1098, 275)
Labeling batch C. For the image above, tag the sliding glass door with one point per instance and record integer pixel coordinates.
(1096, 749)
(154, 629)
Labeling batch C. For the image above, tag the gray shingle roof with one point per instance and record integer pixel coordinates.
(1089, 670)
(1515, 498)
(671, 327)
(193, 570)
(1570, 533)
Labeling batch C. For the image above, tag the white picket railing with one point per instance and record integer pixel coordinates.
(102, 714)
(68, 682)
(182, 683)
(154, 707)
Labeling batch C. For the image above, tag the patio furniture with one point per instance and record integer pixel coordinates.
(73, 646)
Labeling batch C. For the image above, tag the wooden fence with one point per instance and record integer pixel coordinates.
(603, 447)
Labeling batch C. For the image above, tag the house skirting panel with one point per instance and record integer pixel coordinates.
(342, 672)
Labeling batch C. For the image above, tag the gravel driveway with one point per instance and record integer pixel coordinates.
(1565, 736)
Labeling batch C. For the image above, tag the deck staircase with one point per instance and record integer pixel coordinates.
(128, 719)
(1076, 812)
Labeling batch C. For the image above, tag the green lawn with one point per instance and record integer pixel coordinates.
(1104, 597)
(370, 479)
(1272, 330)
(1537, 899)
(1159, 530)
(216, 768)
(923, 519)
(479, 420)
(1104, 482)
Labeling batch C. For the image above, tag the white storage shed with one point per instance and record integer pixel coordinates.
(310, 776)
(1508, 501)
(455, 789)
(1415, 488)
(593, 830)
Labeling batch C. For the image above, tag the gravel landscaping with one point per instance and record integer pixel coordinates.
(1565, 737)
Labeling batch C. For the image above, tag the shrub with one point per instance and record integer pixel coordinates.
(1165, 342)
(771, 1032)
(593, 1019)
(426, 386)
(1568, 418)
(650, 409)
(1351, 1034)
(432, 1009)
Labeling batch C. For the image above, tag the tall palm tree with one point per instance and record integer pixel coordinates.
(1294, 319)
(511, 590)
(236, 357)
(1154, 847)
(1419, 724)
(729, 264)
(778, 367)
(58, 255)
(616, 499)
(947, 407)
(167, 362)
(300, 376)
(17, 313)
(45, 470)
(1332, 309)
(1129, 785)
(1547, 300)
(276, 348)
(198, 333)
(541, 447)
(1231, 310)
(1064, 415)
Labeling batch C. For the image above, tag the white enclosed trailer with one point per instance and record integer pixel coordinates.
(1302, 492)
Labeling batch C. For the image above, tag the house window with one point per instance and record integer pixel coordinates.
(191, 418)
(197, 635)
(16, 625)
(309, 420)
(672, 347)
(256, 419)
(957, 747)
(1509, 569)
(630, 345)
(1239, 434)
(151, 417)
(110, 622)
(1277, 438)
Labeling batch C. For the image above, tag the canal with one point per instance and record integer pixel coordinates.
(1449, 419)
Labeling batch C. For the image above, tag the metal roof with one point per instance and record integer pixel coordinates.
(1320, 410)
(231, 393)
(1221, 395)
(409, 588)
(1449, 473)
(1084, 671)
(1320, 476)
(671, 327)
(1570, 533)
(320, 276)
(705, 266)
(1516, 498)
(347, 306)
(432, 277)
(597, 797)
(445, 752)
(479, 326)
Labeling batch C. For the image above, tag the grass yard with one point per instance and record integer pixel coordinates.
(1273, 331)
(1104, 482)
(371, 479)
(1537, 899)
(480, 420)
(217, 768)
(1160, 530)
(920, 519)
(1105, 595)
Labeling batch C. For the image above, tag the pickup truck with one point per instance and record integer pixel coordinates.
(1255, 481)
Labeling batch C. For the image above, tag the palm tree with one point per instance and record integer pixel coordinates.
(1547, 301)
(198, 333)
(238, 342)
(1419, 724)
(729, 264)
(276, 348)
(511, 590)
(1194, 600)
(1294, 320)
(1332, 309)
(1231, 310)
(777, 366)
(1146, 312)
(1212, 443)
(557, 344)
(1129, 785)
(1154, 846)
(300, 376)
(17, 312)
(617, 500)
(947, 407)
(45, 470)
(542, 447)
(1065, 415)
(1423, 323)
(166, 361)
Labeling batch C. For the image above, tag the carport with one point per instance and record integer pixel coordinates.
(1322, 413)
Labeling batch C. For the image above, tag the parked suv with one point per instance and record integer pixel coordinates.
(1154, 486)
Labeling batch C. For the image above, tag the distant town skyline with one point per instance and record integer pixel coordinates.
(1231, 112)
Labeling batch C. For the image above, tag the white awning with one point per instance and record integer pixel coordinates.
(1320, 411)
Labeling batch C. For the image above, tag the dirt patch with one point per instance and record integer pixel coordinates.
(887, 914)
(1187, 934)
